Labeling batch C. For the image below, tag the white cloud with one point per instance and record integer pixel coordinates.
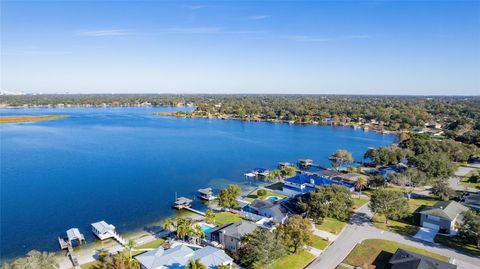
(306, 38)
(260, 17)
(194, 7)
(208, 30)
(108, 32)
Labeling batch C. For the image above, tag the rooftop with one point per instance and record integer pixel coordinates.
(178, 257)
(205, 191)
(102, 226)
(445, 209)
(404, 259)
(240, 229)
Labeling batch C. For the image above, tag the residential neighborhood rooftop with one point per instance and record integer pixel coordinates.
(404, 259)
(446, 210)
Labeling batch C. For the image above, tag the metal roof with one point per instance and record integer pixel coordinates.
(103, 227)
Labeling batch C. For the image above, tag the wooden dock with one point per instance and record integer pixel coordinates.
(195, 211)
(64, 244)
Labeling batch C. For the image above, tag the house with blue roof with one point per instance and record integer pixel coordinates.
(304, 183)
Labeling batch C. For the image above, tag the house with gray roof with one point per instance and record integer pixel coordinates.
(404, 259)
(178, 257)
(471, 200)
(230, 235)
(269, 209)
(443, 215)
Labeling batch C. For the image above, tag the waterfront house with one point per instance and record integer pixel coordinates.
(404, 259)
(442, 216)
(103, 230)
(178, 257)
(304, 183)
(230, 235)
(268, 208)
(206, 194)
(349, 178)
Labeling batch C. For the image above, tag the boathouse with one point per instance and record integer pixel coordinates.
(206, 194)
(182, 202)
(103, 230)
(305, 162)
(74, 234)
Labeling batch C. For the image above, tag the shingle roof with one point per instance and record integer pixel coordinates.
(445, 209)
(240, 229)
(404, 259)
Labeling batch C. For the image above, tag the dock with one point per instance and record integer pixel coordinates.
(65, 244)
(185, 203)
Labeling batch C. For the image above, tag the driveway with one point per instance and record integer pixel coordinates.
(426, 234)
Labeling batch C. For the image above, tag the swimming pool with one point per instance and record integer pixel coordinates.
(273, 198)
(206, 228)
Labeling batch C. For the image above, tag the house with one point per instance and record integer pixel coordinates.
(303, 183)
(404, 259)
(349, 178)
(178, 257)
(268, 208)
(443, 215)
(103, 230)
(471, 200)
(230, 235)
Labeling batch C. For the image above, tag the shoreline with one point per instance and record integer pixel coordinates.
(12, 119)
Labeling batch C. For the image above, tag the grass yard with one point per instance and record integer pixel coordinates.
(375, 253)
(331, 225)
(253, 195)
(292, 261)
(153, 244)
(406, 226)
(465, 181)
(319, 243)
(358, 202)
(458, 244)
(226, 217)
(278, 186)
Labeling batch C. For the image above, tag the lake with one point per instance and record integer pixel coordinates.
(124, 165)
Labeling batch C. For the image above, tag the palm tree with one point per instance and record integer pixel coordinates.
(168, 224)
(118, 261)
(360, 184)
(183, 227)
(210, 216)
(223, 266)
(37, 259)
(195, 264)
(130, 245)
(198, 231)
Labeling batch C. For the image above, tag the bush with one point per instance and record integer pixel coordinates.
(261, 192)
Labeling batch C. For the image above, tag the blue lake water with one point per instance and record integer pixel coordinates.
(124, 165)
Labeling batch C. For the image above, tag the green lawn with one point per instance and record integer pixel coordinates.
(465, 181)
(319, 243)
(331, 225)
(457, 243)
(253, 195)
(153, 244)
(409, 225)
(375, 253)
(275, 186)
(358, 202)
(226, 217)
(292, 261)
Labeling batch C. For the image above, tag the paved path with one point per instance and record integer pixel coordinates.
(459, 174)
(361, 228)
(324, 234)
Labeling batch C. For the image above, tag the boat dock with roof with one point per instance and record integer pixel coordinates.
(206, 194)
(73, 234)
(185, 203)
(104, 231)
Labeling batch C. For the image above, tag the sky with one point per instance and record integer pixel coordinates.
(294, 47)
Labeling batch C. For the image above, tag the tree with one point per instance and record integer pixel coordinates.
(198, 231)
(470, 229)
(195, 264)
(275, 174)
(261, 192)
(377, 181)
(210, 216)
(442, 190)
(168, 224)
(403, 180)
(223, 266)
(327, 201)
(288, 171)
(228, 196)
(298, 232)
(183, 227)
(36, 259)
(118, 261)
(360, 185)
(435, 165)
(340, 157)
(391, 204)
(261, 247)
(130, 245)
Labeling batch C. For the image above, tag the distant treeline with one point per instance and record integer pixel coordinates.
(457, 117)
